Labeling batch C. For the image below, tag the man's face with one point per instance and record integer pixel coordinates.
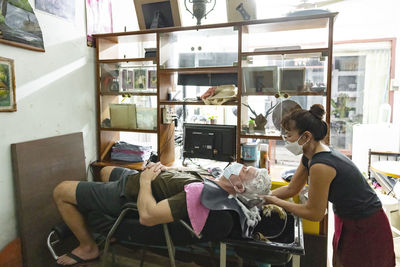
(247, 173)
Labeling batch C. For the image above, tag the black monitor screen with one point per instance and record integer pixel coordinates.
(209, 141)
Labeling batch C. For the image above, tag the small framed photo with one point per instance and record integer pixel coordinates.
(140, 78)
(152, 79)
(127, 80)
(7, 85)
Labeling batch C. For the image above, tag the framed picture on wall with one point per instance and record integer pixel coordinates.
(7, 85)
(140, 79)
(157, 13)
(152, 79)
(63, 9)
(19, 26)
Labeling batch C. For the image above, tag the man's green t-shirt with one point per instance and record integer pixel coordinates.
(167, 185)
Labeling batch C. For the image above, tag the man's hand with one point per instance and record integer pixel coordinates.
(150, 173)
(158, 165)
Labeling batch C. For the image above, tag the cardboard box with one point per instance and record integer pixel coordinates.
(123, 116)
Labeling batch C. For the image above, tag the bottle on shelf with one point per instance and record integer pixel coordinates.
(264, 160)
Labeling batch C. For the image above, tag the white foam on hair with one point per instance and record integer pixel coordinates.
(261, 184)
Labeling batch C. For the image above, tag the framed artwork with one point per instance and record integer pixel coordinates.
(127, 79)
(7, 85)
(157, 13)
(98, 19)
(19, 25)
(140, 79)
(63, 9)
(152, 79)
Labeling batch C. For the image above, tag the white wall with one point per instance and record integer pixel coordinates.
(55, 94)
(56, 89)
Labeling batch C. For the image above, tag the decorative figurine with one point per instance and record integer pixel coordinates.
(260, 120)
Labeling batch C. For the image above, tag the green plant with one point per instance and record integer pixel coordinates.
(24, 4)
(125, 97)
(340, 108)
(251, 122)
(212, 117)
(2, 20)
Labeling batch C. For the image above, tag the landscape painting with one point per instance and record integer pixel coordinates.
(19, 25)
(63, 9)
(7, 85)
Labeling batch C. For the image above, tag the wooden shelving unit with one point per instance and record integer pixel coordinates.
(129, 47)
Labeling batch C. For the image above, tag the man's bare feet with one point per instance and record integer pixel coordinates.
(85, 254)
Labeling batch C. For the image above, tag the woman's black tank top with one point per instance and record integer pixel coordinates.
(352, 197)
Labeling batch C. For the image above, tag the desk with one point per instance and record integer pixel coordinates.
(389, 168)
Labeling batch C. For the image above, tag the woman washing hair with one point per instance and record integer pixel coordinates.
(362, 232)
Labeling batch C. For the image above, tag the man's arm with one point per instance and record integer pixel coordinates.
(150, 212)
(165, 168)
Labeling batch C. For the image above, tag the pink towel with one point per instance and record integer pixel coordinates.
(197, 212)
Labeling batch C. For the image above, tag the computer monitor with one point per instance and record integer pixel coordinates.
(260, 80)
(209, 141)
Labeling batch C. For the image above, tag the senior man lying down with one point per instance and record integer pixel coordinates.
(163, 195)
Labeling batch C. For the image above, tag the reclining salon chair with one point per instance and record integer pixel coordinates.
(128, 232)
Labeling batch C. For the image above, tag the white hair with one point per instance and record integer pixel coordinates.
(261, 184)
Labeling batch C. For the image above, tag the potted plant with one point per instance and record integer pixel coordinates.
(251, 126)
(213, 119)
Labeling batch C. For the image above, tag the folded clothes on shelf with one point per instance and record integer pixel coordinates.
(132, 153)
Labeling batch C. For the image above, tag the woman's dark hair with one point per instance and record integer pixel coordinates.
(307, 120)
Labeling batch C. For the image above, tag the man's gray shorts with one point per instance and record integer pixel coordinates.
(106, 198)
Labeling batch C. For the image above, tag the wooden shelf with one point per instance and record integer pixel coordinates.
(303, 52)
(128, 130)
(304, 93)
(127, 93)
(288, 23)
(259, 136)
(128, 37)
(130, 165)
(201, 70)
(298, 21)
(199, 102)
(143, 59)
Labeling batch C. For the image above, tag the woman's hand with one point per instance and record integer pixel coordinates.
(150, 173)
(158, 166)
(269, 199)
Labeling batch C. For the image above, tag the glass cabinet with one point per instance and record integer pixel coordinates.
(210, 47)
(150, 82)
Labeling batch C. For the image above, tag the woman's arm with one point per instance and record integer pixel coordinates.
(321, 176)
(297, 182)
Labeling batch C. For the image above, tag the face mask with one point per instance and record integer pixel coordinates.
(234, 169)
(294, 147)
